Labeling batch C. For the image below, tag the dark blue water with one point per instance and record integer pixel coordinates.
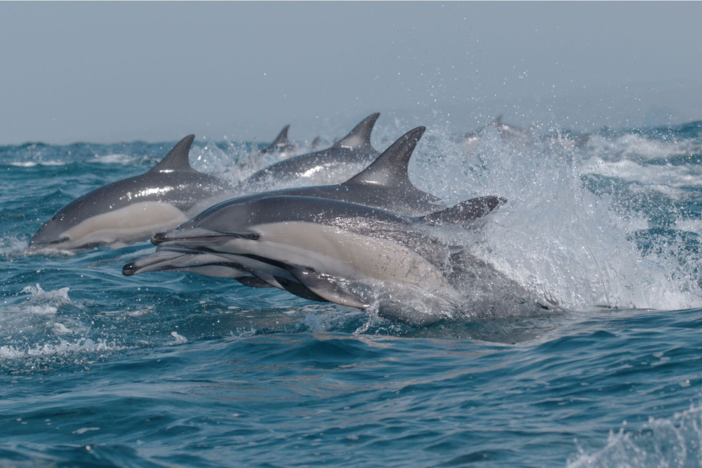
(98, 369)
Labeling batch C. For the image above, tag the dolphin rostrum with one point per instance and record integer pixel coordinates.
(331, 165)
(136, 208)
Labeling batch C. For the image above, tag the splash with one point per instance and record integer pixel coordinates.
(673, 442)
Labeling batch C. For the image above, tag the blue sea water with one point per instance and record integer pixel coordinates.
(98, 369)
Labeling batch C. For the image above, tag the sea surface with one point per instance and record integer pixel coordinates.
(178, 370)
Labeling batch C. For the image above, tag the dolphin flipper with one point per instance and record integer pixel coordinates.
(327, 287)
(178, 158)
(360, 136)
(253, 282)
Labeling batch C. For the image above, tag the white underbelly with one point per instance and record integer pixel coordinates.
(133, 223)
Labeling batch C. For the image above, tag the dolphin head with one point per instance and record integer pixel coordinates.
(52, 233)
(59, 232)
(216, 225)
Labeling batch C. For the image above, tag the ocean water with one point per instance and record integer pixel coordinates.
(98, 369)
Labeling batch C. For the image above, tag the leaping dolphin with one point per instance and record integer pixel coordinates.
(331, 165)
(338, 251)
(384, 184)
(134, 209)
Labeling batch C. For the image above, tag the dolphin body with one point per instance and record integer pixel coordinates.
(384, 184)
(335, 251)
(331, 165)
(134, 209)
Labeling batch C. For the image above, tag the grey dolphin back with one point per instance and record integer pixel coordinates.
(280, 140)
(359, 137)
(178, 158)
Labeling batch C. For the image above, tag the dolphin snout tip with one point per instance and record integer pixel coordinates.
(159, 238)
(129, 269)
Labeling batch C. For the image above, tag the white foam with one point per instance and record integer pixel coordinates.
(178, 339)
(10, 352)
(123, 159)
(557, 238)
(37, 163)
(668, 442)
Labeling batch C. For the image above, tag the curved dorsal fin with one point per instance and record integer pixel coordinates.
(177, 158)
(280, 140)
(315, 143)
(390, 169)
(360, 136)
(497, 122)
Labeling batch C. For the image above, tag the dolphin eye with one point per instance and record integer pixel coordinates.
(253, 236)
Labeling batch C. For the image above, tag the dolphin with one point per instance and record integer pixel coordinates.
(510, 134)
(281, 148)
(281, 144)
(316, 143)
(339, 252)
(332, 164)
(384, 184)
(134, 209)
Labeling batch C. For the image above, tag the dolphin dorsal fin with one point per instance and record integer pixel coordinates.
(360, 136)
(177, 158)
(282, 138)
(390, 169)
(497, 122)
(315, 143)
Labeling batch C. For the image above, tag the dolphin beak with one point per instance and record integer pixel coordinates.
(158, 261)
(189, 237)
(129, 269)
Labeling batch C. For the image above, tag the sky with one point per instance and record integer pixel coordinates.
(109, 72)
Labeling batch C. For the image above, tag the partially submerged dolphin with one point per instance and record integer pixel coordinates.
(136, 208)
(517, 137)
(330, 250)
(281, 148)
(331, 165)
(510, 134)
(281, 144)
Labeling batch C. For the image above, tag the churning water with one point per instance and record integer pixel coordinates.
(98, 369)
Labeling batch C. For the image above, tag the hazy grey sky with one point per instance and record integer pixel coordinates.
(155, 71)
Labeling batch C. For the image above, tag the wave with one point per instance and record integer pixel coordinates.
(671, 442)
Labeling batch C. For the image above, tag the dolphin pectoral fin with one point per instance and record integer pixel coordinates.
(266, 278)
(253, 282)
(327, 287)
(464, 212)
